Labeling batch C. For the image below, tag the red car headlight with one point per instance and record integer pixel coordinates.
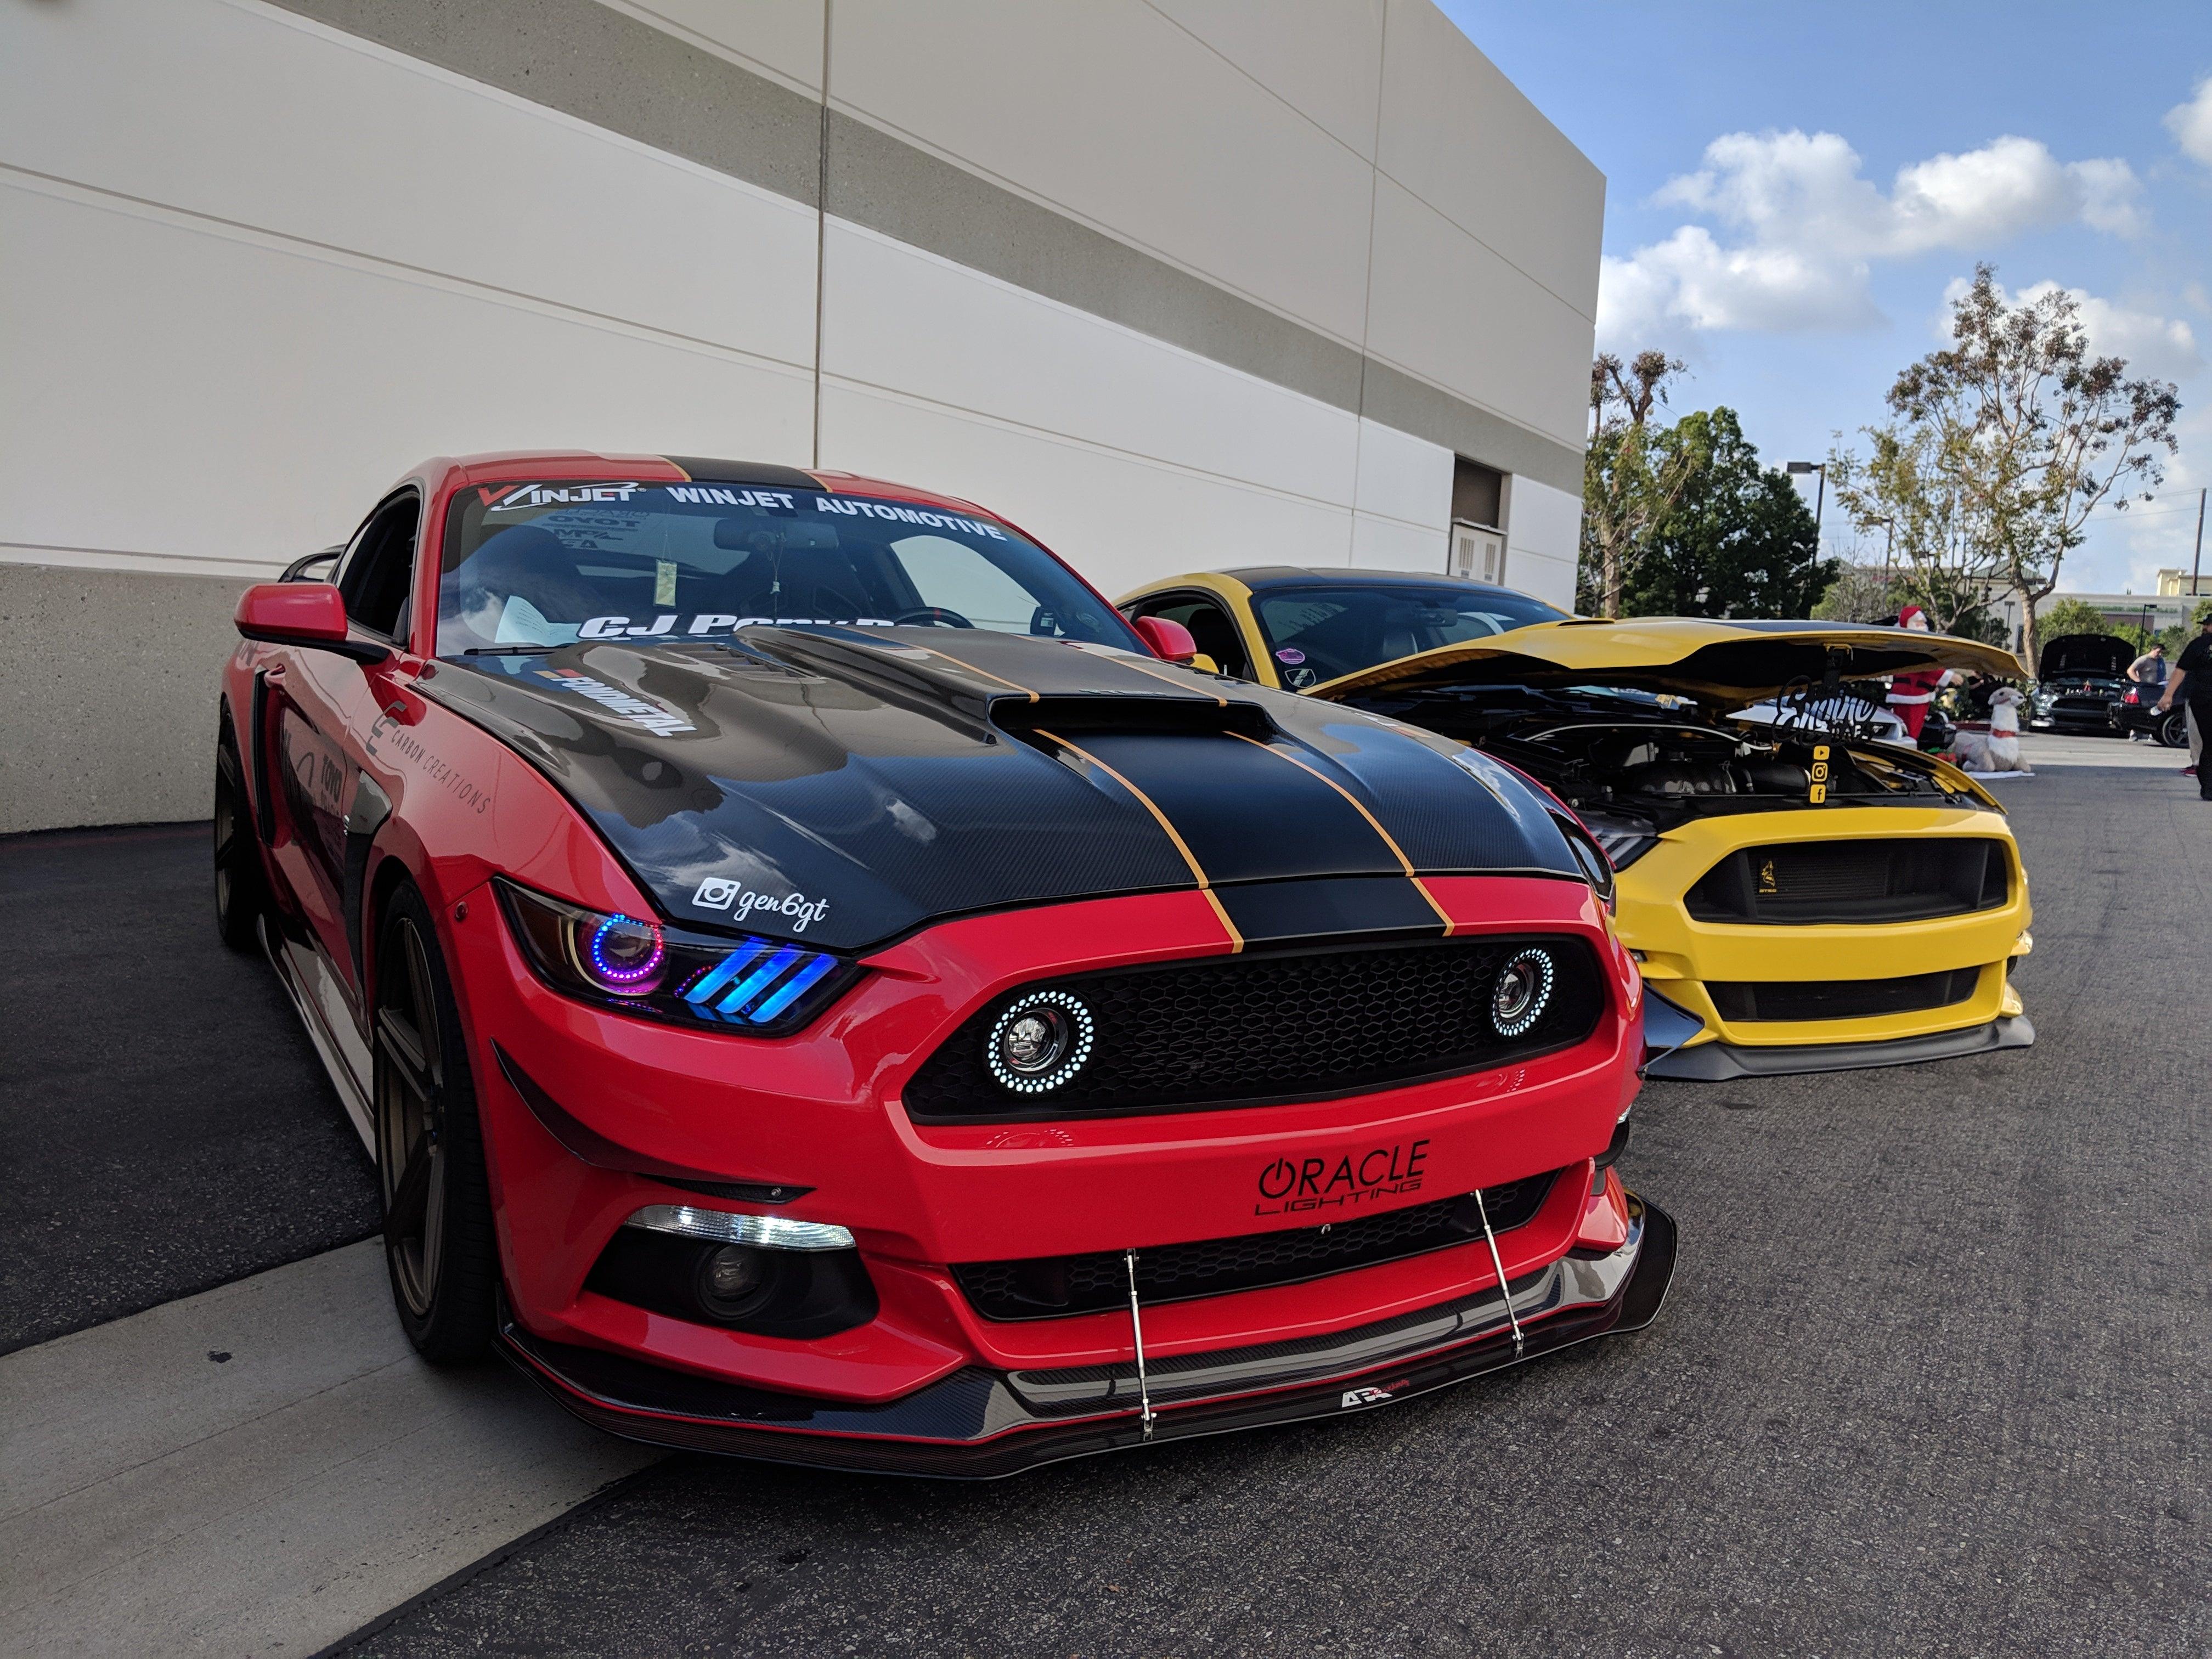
(639, 965)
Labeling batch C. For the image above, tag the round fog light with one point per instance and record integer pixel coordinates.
(1522, 990)
(1039, 1042)
(732, 1280)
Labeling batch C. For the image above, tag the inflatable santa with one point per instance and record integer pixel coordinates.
(1910, 694)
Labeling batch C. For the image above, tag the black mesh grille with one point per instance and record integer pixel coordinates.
(1052, 1286)
(1250, 1029)
(1854, 881)
(1840, 999)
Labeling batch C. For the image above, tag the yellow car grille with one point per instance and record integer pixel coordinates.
(1893, 879)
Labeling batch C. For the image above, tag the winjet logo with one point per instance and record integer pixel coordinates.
(719, 893)
(1364, 1397)
(1354, 1179)
(511, 498)
(638, 712)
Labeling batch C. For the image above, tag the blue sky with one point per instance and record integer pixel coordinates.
(1792, 188)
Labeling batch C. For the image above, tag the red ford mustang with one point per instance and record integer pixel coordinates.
(819, 985)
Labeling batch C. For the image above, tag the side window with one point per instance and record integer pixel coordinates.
(378, 573)
(1210, 628)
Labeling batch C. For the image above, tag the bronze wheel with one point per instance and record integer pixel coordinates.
(430, 1158)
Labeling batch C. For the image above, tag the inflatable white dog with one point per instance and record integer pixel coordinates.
(1997, 749)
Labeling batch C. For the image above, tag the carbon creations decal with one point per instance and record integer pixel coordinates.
(1354, 1179)
(388, 737)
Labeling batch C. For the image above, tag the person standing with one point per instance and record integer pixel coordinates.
(2149, 669)
(2192, 681)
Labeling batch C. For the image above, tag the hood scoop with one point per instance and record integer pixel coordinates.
(1137, 716)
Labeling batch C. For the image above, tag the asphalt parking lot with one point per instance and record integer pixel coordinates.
(1934, 1377)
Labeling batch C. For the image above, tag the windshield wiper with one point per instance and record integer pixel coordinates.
(508, 650)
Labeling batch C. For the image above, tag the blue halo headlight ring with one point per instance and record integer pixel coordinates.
(1039, 1042)
(626, 953)
(1520, 993)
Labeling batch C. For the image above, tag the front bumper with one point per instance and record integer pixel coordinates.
(1718, 1061)
(983, 1424)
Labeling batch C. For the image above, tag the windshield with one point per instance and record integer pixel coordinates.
(1317, 632)
(546, 564)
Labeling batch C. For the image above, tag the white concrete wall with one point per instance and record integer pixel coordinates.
(253, 267)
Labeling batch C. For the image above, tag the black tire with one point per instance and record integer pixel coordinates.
(241, 887)
(2174, 729)
(438, 1241)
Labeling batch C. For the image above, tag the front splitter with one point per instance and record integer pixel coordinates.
(1718, 1061)
(979, 1424)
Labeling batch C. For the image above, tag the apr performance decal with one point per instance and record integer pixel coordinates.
(1352, 1180)
(718, 893)
(638, 712)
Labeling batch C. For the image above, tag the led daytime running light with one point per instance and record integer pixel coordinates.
(766, 1232)
(1537, 963)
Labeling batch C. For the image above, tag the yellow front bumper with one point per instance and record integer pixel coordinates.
(1681, 955)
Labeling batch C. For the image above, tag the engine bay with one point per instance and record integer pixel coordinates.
(1633, 764)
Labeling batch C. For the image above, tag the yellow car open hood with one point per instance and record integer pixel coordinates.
(1727, 663)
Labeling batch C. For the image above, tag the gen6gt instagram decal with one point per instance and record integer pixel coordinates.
(719, 893)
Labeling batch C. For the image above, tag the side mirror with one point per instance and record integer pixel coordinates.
(310, 616)
(1170, 641)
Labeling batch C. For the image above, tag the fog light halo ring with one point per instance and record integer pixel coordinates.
(1070, 1048)
(1522, 991)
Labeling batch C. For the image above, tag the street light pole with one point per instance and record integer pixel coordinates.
(1820, 498)
(2196, 563)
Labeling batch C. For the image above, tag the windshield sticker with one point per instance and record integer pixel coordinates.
(721, 893)
(722, 495)
(616, 628)
(914, 515)
(512, 498)
(1291, 654)
(638, 712)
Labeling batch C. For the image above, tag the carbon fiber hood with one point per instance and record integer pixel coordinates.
(846, 786)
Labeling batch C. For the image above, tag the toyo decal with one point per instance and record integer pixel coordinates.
(637, 710)
(721, 893)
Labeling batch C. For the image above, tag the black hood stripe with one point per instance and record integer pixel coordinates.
(1197, 870)
(1360, 806)
(1244, 814)
(1336, 910)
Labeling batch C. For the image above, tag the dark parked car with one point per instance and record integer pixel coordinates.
(2137, 711)
(2083, 675)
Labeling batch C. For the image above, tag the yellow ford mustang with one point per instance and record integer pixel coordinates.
(1802, 896)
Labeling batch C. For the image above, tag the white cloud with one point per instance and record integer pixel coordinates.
(1809, 226)
(2191, 123)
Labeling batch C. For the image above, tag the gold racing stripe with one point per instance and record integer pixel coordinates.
(1204, 886)
(982, 673)
(1146, 668)
(1373, 822)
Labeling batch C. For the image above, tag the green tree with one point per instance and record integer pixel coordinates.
(1737, 540)
(2034, 432)
(1938, 548)
(2066, 616)
(1629, 482)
